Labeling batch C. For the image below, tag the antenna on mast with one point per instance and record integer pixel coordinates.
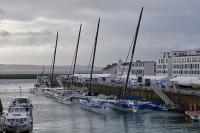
(20, 91)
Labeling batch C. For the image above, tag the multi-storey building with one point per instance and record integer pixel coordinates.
(162, 62)
(179, 63)
(186, 65)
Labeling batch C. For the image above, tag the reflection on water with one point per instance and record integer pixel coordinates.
(53, 117)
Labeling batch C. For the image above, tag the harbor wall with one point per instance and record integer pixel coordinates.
(18, 76)
(184, 101)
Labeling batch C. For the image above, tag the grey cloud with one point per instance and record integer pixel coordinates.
(166, 25)
(29, 38)
(2, 11)
(4, 33)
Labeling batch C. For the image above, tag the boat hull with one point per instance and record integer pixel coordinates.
(115, 106)
(152, 106)
(94, 107)
(18, 129)
(63, 100)
(195, 85)
(47, 94)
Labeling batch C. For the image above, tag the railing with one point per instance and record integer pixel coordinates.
(162, 95)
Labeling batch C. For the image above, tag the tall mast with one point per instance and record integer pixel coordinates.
(54, 56)
(76, 51)
(94, 52)
(133, 50)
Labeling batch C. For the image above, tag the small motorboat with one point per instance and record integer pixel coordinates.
(17, 119)
(194, 115)
(19, 116)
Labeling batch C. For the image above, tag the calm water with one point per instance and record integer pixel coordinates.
(52, 117)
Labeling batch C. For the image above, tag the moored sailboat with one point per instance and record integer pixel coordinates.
(89, 102)
(17, 119)
(127, 104)
(71, 94)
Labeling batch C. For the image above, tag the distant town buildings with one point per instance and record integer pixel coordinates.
(138, 68)
(111, 69)
(174, 63)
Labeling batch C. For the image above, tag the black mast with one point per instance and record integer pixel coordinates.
(1, 107)
(94, 52)
(133, 50)
(76, 51)
(54, 56)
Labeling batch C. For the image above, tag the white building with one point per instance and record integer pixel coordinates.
(179, 63)
(138, 68)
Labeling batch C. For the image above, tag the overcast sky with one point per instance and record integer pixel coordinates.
(28, 29)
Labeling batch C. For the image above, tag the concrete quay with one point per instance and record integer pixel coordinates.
(186, 100)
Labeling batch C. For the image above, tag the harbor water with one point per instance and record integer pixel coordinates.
(53, 117)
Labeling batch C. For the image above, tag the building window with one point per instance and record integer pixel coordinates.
(195, 59)
(185, 72)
